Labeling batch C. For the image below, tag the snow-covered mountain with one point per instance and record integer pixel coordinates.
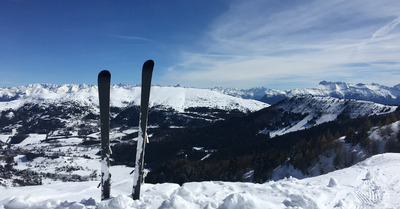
(253, 93)
(42, 126)
(72, 110)
(49, 135)
(368, 92)
(301, 112)
(177, 98)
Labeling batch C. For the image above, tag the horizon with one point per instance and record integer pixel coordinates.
(231, 44)
(182, 86)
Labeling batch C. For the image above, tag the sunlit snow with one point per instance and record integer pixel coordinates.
(373, 183)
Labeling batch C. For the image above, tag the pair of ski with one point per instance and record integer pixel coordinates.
(104, 80)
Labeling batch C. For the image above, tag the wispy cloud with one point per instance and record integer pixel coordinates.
(111, 35)
(127, 37)
(260, 42)
(386, 29)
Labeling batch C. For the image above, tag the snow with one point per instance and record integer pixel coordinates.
(342, 89)
(139, 156)
(325, 109)
(372, 183)
(34, 139)
(205, 157)
(4, 138)
(105, 171)
(369, 92)
(332, 182)
(281, 171)
(177, 98)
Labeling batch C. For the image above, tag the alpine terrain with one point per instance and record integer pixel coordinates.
(333, 146)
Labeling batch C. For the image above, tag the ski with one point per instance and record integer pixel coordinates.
(104, 79)
(147, 72)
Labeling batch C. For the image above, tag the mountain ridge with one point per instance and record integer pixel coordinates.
(47, 117)
(369, 92)
(316, 110)
(124, 95)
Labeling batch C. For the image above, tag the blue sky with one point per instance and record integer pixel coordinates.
(279, 44)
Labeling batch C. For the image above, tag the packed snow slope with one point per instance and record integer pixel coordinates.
(373, 183)
(177, 98)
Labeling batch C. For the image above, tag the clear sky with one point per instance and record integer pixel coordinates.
(279, 44)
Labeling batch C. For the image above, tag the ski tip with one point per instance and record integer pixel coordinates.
(105, 73)
(149, 64)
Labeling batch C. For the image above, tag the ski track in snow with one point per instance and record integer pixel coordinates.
(373, 183)
(369, 192)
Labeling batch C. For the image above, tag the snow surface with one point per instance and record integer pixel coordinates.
(373, 183)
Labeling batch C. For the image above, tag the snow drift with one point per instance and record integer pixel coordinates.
(373, 183)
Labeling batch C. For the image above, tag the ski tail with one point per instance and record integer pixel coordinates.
(104, 80)
(147, 72)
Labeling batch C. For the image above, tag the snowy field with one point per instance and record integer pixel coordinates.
(373, 183)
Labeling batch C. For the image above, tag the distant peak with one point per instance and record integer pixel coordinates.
(327, 83)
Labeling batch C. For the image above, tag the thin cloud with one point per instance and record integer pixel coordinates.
(261, 41)
(127, 37)
(385, 30)
(118, 36)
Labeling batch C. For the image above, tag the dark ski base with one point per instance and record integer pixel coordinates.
(104, 79)
(147, 72)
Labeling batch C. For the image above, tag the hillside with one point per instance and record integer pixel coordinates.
(50, 134)
(372, 183)
(239, 145)
(200, 134)
(313, 111)
(43, 125)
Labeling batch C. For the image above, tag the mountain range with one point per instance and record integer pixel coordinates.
(178, 106)
(195, 134)
(177, 98)
(368, 92)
